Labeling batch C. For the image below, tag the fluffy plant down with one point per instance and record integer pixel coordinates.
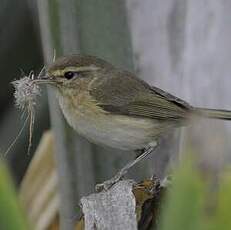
(26, 92)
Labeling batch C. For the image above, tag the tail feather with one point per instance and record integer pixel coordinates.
(214, 113)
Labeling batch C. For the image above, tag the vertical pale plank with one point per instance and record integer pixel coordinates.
(49, 15)
(183, 47)
(88, 27)
(103, 32)
(157, 30)
(207, 76)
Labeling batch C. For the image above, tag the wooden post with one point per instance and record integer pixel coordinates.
(88, 27)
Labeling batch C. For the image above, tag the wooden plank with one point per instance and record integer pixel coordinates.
(158, 53)
(183, 47)
(103, 32)
(93, 28)
(50, 31)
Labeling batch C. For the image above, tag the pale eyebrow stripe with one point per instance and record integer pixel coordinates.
(75, 69)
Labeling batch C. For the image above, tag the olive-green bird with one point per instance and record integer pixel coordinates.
(112, 107)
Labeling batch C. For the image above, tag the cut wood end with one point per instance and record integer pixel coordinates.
(127, 204)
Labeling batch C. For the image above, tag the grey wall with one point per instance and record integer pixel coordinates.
(183, 46)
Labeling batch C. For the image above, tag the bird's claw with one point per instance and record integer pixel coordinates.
(106, 185)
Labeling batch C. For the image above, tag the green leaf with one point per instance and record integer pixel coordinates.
(222, 218)
(11, 214)
(183, 207)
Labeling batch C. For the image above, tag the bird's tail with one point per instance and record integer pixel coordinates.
(214, 113)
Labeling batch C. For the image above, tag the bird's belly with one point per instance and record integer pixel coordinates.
(116, 131)
(119, 132)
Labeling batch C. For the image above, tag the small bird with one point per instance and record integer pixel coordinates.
(112, 107)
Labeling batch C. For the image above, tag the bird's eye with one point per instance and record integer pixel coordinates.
(69, 75)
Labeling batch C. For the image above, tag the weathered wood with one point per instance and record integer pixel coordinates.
(127, 205)
(39, 189)
(183, 47)
(153, 37)
(175, 47)
(114, 209)
(104, 32)
(206, 77)
(50, 30)
(82, 26)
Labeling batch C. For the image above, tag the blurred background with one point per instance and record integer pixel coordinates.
(20, 52)
(181, 46)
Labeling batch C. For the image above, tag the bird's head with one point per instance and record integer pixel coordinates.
(73, 71)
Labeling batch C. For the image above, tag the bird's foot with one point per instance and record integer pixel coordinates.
(109, 183)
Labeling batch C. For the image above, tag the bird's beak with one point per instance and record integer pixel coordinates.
(45, 79)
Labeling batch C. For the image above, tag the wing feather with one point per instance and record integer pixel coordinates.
(124, 94)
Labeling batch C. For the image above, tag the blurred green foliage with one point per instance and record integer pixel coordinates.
(222, 218)
(11, 214)
(192, 203)
(184, 203)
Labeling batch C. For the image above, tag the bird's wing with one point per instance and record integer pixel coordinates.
(124, 94)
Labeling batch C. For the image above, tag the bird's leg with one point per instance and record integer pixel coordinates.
(107, 184)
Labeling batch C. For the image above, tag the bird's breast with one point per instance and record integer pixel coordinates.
(117, 131)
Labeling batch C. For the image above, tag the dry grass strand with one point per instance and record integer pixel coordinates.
(26, 92)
